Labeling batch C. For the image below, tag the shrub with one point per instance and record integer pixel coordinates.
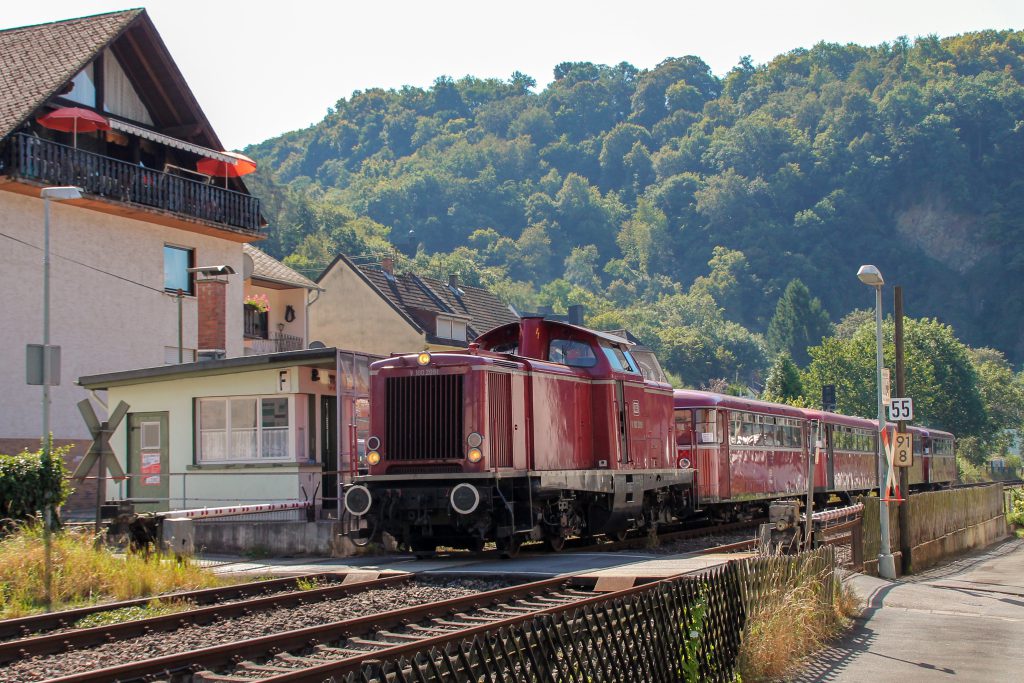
(792, 621)
(25, 485)
(969, 472)
(1015, 514)
(86, 573)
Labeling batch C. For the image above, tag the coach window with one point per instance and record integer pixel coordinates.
(706, 425)
(684, 427)
(570, 352)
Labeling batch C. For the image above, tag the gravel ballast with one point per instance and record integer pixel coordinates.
(242, 628)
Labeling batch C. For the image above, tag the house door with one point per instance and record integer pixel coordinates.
(148, 461)
(329, 451)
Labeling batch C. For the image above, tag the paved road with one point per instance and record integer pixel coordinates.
(963, 620)
(527, 566)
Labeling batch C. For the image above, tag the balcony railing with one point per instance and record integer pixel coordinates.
(254, 323)
(52, 163)
(275, 344)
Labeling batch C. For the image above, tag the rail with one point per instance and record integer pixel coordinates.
(253, 596)
(51, 163)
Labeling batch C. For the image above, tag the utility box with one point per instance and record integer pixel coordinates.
(783, 528)
(178, 536)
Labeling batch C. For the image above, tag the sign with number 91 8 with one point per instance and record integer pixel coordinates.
(901, 409)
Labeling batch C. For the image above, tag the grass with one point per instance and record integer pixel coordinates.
(154, 608)
(307, 583)
(794, 620)
(84, 574)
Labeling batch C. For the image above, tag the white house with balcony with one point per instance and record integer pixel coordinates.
(124, 291)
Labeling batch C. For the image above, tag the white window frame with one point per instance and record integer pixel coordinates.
(231, 458)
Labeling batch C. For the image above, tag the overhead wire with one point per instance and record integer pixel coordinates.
(84, 265)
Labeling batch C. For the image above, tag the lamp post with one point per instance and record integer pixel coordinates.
(48, 194)
(872, 277)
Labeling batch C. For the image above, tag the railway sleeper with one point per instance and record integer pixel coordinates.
(297, 659)
(338, 652)
(265, 669)
(211, 677)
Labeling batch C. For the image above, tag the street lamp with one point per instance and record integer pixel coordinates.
(872, 277)
(57, 194)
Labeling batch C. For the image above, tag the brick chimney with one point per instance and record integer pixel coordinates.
(387, 264)
(212, 299)
(453, 281)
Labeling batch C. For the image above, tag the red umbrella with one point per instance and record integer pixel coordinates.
(222, 169)
(73, 120)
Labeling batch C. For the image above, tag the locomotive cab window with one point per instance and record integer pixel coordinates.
(619, 360)
(573, 353)
(510, 347)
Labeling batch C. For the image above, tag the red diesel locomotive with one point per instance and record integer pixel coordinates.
(544, 430)
(541, 430)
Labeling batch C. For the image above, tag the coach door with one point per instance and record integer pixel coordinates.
(830, 457)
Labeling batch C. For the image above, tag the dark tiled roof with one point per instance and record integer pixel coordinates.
(404, 290)
(486, 311)
(269, 268)
(408, 293)
(37, 60)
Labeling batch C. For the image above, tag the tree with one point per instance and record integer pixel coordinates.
(799, 322)
(939, 375)
(783, 383)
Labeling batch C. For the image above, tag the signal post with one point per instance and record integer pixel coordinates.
(902, 463)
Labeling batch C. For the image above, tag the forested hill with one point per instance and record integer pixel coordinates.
(683, 204)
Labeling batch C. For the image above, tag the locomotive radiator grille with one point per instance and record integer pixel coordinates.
(424, 418)
(499, 417)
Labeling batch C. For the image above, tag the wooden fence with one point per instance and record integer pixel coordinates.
(942, 523)
(680, 629)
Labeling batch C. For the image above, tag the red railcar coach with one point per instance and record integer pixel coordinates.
(541, 430)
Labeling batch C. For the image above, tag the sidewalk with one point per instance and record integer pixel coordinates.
(963, 620)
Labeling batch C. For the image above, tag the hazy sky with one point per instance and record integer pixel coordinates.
(261, 68)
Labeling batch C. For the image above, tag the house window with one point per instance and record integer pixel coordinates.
(177, 261)
(448, 328)
(244, 428)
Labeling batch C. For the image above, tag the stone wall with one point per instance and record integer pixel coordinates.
(273, 539)
(942, 524)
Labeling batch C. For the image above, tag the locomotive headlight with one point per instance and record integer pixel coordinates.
(373, 457)
(474, 440)
(475, 455)
(423, 358)
(373, 443)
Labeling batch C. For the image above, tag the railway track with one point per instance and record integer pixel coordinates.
(308, 651)
(38, 624)
(288, 654)
(60, 640)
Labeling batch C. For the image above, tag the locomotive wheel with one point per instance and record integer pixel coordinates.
(619, 535)
(509, 547)
(555, 543)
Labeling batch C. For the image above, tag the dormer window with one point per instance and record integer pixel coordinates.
(450, 328)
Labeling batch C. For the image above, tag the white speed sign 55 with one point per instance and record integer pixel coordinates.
(901, 409)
